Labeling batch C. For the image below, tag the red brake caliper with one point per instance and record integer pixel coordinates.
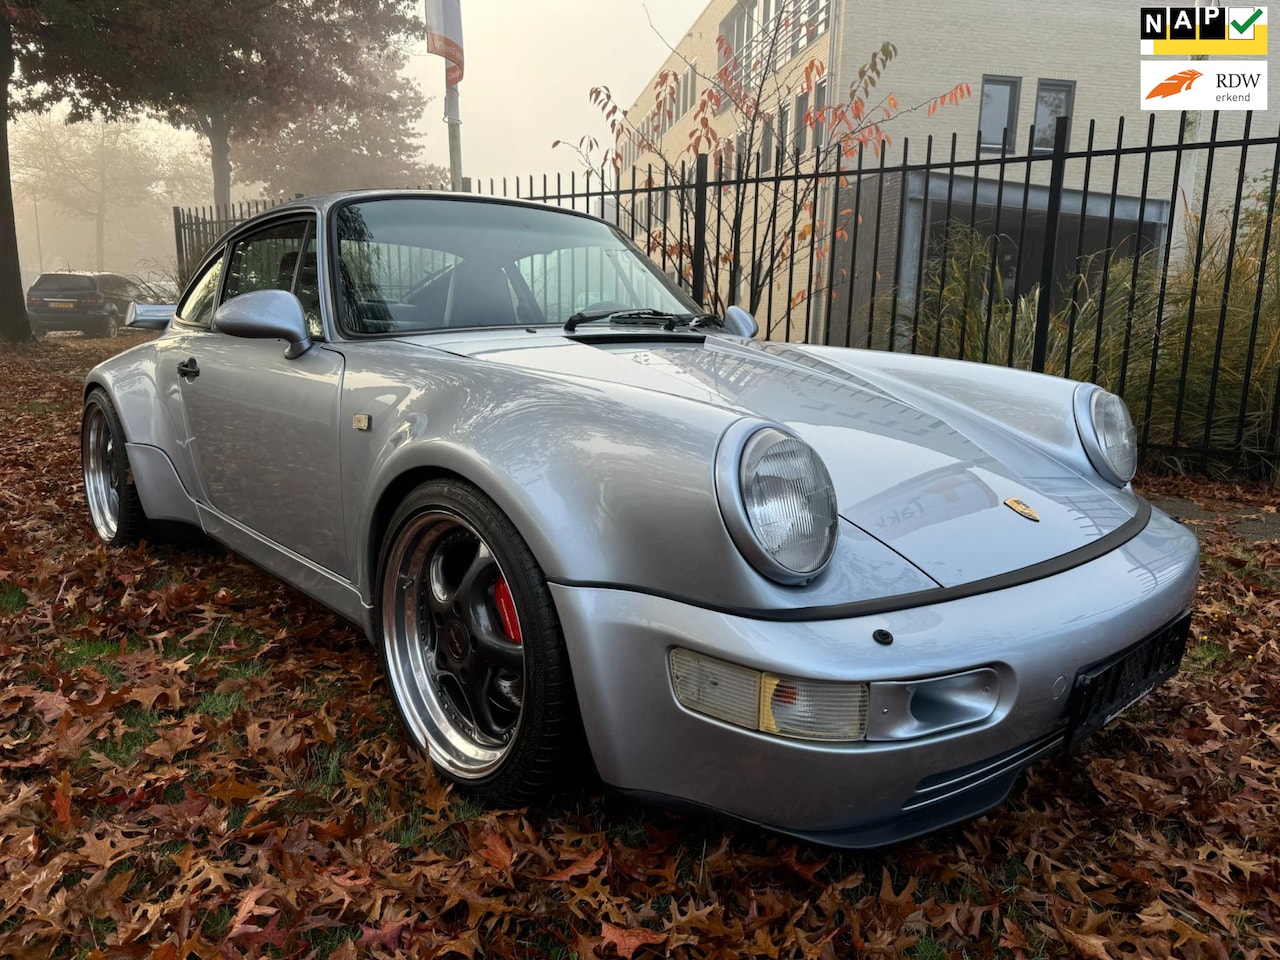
(507, 610)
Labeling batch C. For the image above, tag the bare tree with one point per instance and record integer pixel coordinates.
(767, 168)
(94, 169)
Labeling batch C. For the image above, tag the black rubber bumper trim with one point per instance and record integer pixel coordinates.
(906, 601)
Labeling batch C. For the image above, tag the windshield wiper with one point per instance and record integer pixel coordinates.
(645, 315)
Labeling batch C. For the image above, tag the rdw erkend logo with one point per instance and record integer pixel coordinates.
(1178, 83)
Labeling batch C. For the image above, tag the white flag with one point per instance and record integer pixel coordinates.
(444, 35)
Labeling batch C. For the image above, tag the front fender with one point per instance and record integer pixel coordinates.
(608, 484)
(998, 407)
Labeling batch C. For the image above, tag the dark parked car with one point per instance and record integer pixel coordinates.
(93, 303)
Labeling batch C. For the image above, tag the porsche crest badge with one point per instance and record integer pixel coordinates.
(1020, 508)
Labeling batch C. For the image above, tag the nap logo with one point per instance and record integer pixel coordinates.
(1203, 31)
(1204, 85)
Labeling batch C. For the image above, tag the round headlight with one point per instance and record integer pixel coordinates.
(779, 503)
(1108, 435)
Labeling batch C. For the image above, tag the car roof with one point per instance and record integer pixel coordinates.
(79, 273)
(322, 203)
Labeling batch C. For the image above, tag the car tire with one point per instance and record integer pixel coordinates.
(114, 506)
(37, 333)
(109, 330)
(485, 692)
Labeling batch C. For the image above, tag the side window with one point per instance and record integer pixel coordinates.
(197, 307)
(266, 260)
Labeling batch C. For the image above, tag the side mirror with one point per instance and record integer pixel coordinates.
(740, 323)
(149, 316)
(266, 315)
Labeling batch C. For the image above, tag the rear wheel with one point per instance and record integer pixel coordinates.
(472, 646)
(114, 506)
(110, 328)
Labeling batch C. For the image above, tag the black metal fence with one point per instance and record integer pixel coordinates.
(1146, 267)
(196, 228)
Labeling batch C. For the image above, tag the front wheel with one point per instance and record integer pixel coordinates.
(473, 649)
(114, 505)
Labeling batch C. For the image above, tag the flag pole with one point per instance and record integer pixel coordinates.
(444, 38)
(454, 120)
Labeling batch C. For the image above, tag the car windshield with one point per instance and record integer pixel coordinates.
(418, 264)
(63, 281)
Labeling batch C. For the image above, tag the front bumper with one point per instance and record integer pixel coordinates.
(1037, 636)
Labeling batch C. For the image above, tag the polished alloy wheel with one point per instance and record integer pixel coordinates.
(453, 641)
(101, 473)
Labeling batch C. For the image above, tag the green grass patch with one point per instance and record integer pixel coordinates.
(215, 924)
(630, 831)
(242, 669)
(927, 948)
(407, 832)
(1241, 564)
(323, 941)
(1207, 656)
(225, 634)
(220, 705)
(12, 598)
(465, 808)
(236, 816)
(1011, 875)
(42, 406)
(98, 653)
(140, 731)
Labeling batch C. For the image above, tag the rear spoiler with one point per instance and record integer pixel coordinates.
(149, 316)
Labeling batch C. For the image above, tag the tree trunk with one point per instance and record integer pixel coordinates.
(14, 325)
(220, 151)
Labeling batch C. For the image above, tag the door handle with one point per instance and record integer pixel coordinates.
(189, 368)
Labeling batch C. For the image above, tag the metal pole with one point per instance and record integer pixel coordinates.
(179, 241)
(700, 231)
(1057, 176)
(454, 119)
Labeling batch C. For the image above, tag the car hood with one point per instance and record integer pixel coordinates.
(930, 488)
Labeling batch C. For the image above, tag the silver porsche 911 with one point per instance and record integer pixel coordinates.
(846, 595)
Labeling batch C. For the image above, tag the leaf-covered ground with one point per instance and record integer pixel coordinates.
(197, 761)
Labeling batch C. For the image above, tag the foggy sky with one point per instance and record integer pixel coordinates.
(529, 67)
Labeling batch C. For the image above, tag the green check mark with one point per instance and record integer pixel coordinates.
(1242, 27)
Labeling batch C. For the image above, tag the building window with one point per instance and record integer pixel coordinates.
(784, 117)
(802, 125)
(1054, 98)
(998, 120)
(819, 122)
(734, 58)
(766, 145)
(688, 89)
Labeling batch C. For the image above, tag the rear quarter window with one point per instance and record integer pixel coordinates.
(62, 281)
